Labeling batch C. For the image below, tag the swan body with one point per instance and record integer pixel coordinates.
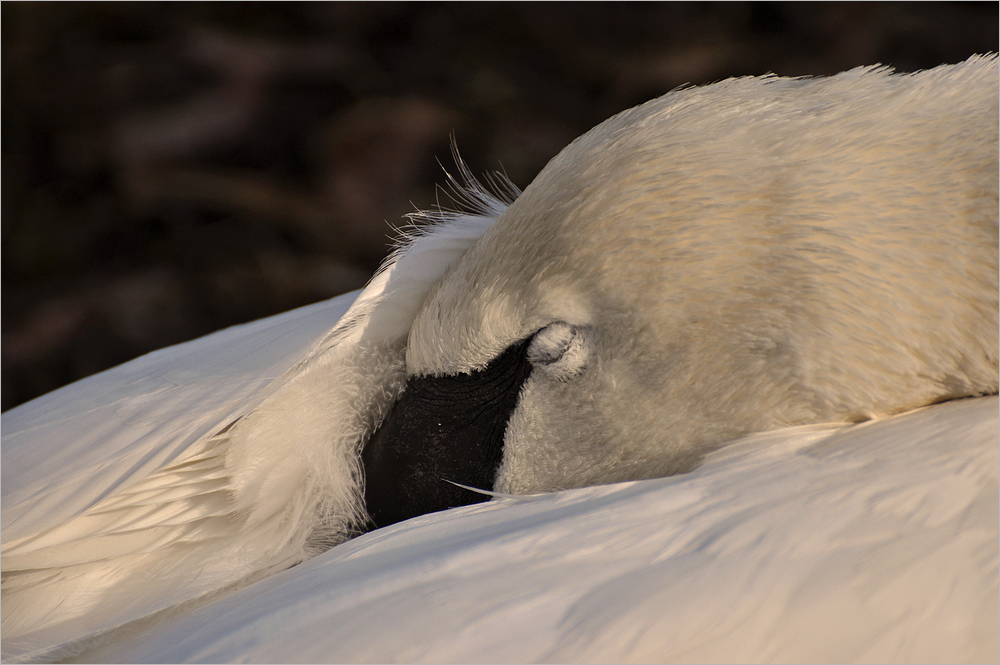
(868, 543)
(751, 256)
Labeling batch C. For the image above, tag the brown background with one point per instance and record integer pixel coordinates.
(171, 169)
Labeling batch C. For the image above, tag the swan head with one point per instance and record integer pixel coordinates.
(719, 261)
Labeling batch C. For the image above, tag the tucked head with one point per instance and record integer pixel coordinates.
(719, 261)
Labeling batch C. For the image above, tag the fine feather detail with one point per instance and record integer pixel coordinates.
(269, 489)
(498, 495)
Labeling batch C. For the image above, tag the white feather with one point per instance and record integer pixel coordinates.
(209, 464)
(870, 543)
(144, 491)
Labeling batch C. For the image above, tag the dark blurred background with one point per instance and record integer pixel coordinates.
(172, 169)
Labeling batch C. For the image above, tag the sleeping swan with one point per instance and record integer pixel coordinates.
(723, 260)
(736, 258)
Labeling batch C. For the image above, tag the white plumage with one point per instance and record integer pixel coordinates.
(154, 489)
(871, 543)
(205, 465)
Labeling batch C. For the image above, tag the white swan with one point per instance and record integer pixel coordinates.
(737, 258)
(868, 543)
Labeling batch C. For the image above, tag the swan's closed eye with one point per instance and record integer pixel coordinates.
(561, 350)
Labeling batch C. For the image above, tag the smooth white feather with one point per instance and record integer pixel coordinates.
(873, 542)
(209, 464)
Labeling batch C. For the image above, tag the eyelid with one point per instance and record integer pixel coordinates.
(560, 350)
(550, 343)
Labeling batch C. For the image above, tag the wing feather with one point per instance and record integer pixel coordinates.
(206, 465)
